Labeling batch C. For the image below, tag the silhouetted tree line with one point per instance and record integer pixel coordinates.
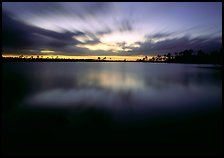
(31, 59)
(37, 58)
(186, 56)
(190, 56)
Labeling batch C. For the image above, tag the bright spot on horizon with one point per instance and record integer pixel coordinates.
(100, 46)
(47, 51)
(115, 42)
(120, 37)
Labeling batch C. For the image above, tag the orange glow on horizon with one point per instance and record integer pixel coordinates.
(127, 58)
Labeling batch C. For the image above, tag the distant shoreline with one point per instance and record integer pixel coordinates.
(94, 60)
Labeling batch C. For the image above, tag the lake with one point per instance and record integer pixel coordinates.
(124, 108)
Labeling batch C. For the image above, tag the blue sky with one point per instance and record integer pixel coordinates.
(110, 28)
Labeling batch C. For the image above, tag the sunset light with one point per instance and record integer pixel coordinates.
(112, 78)
(47, 51)
(110, 28)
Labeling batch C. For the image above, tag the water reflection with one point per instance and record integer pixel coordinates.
(173, 106)
(120, 86)
(112, 80)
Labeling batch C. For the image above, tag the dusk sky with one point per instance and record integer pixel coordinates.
(110, 28)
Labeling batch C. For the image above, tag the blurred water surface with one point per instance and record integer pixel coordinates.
(117, 101)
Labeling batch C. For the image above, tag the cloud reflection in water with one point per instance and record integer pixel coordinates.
(121, 87)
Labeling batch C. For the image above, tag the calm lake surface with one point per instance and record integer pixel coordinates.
(124, 107)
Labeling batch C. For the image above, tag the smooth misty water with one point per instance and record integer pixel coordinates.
(174, 108)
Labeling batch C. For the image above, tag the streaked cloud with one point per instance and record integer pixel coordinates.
(107, 28)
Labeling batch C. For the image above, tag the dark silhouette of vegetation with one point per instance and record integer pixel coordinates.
(190, 56)
(186, 56)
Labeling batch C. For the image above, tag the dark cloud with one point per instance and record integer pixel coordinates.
(55, 39)
(15, 34)
(158, 35)
(178, 44)
(20, 36)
